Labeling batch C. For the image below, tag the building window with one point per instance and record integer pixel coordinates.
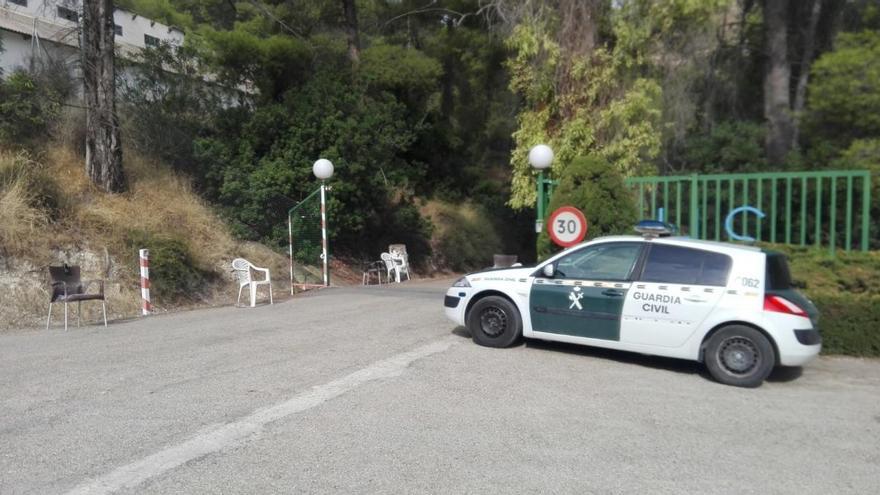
(23, 3)
(117, 30)
(69, 14)
(151, 41)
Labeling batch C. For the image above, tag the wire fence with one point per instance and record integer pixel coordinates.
(304, 229)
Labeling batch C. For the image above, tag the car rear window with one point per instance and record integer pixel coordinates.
(778, 276)
(687, 266)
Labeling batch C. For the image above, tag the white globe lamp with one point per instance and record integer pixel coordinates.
(323, 169)
(540, 157)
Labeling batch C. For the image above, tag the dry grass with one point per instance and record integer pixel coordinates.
(92, 228)
(20, 218)
(158, 202)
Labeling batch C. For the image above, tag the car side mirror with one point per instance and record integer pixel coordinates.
(549, 270)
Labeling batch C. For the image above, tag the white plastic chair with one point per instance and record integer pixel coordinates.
(242, 269)
(390, 266)
(401, 264)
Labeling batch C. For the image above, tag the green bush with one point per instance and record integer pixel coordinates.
(465, 240)
(174, 275)
(849, 323)
(864, 154)
(26, 109)
(596, 188)
(846, 289)
(844, 96)
(815, 271)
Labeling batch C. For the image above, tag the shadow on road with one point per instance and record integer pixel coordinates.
(785, 374)
(778, 375)
(656, 362)
(462, 332)
(668, 364)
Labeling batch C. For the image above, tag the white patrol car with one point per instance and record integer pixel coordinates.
(729, 306)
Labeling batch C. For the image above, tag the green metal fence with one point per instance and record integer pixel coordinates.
(825, 209)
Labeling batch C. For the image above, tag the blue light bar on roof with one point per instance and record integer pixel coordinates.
(655, 228)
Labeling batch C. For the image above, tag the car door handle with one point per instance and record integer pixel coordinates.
(612, 293)
(694, 299)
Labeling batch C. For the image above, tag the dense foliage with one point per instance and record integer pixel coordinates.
(594, 186)
(462, 239)
(443, 102)
(27, 109)
(424, 113)
(849, 324)
(605, 96)
(845, 93)
(175, 277)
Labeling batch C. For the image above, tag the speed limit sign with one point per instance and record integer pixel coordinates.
(567, 226)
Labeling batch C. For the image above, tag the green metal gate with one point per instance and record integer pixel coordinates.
(830, 209)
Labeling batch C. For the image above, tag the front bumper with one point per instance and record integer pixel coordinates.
(455, 304)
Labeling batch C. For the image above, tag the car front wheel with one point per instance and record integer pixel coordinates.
(494, 322)
(740, 356)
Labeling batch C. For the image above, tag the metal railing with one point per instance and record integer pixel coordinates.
(829, 208)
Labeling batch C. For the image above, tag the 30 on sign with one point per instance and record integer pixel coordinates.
(567, 226)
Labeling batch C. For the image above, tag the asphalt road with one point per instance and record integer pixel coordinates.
(371, 390)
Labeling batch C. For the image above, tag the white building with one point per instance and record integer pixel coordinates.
(33, 30)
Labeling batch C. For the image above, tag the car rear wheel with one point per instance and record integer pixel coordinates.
(494, 322)
(740, 356)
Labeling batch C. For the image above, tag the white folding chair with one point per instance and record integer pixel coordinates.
(401, 264)
(391, 266)
(243, 273)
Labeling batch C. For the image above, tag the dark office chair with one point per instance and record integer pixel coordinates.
(67, 287)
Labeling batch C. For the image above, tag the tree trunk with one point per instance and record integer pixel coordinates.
(103, 141)
(577, 36)
(777, 99)
(800, 93)
(351, 30)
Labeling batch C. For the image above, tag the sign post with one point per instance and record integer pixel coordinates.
(540, 158)
(567, 226)
(325, 250)
(323, 170)
(290, 247)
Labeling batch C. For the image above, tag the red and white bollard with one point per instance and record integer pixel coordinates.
(145, 281)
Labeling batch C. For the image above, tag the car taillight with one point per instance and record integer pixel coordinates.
(780, 304)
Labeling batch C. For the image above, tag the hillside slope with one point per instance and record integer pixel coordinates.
(50, 214)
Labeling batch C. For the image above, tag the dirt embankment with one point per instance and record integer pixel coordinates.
(50, 215)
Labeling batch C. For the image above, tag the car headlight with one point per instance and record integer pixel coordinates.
(462, 282)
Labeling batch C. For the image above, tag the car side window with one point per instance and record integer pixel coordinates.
(686, 266)
(612, 261)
